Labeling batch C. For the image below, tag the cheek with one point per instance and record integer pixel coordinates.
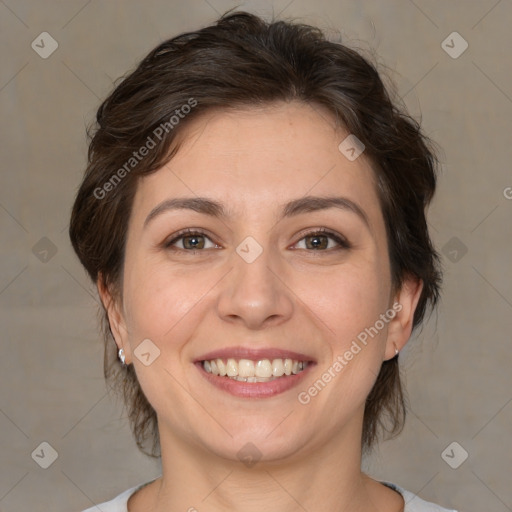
(353, 299)
(146, 303)
(351, 308)
(358, 344)
(162, 307)
(161, 304)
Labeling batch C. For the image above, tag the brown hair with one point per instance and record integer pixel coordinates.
(242, 60)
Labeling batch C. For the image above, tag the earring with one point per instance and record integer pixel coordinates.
(122, 356)
(396, 350)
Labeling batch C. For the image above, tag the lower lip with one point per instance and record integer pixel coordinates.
(254, 389)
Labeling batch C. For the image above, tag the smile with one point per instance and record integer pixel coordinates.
(247, 370)
(248, 378)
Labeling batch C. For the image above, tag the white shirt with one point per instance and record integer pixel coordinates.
(412, 502)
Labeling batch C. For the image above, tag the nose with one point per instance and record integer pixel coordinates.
(255, 294)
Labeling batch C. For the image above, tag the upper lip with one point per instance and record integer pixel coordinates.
(254, 354)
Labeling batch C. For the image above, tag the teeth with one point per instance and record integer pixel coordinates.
(231, 368)
(221, 366)
(247, 370)
(277, 367)
(253, 379)
(263, 368)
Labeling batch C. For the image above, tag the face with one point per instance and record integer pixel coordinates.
(277, 276)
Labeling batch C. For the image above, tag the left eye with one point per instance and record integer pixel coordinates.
(320, 240)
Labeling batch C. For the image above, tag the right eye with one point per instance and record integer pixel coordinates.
(190, 239)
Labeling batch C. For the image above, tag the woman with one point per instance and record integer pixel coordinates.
(253, 215)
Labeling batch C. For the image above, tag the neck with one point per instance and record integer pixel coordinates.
(323, 477)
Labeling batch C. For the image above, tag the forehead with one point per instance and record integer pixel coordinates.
(259, 157)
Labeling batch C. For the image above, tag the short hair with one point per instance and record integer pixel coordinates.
(243, 61)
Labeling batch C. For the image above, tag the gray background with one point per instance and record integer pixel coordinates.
(458, 369)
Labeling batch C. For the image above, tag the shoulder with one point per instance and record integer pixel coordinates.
(119, 503)
(414, 503)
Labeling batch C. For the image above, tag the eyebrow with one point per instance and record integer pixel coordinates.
(213, 208)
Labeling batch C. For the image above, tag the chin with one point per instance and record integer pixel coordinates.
(250, 444)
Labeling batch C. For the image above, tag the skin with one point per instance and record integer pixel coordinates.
(314, 301)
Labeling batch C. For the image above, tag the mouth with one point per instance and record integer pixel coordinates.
(247, 370)
(254, 374)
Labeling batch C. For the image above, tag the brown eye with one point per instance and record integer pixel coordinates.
(190, 241)
(193, 242)
(323, 240)
(317, 241)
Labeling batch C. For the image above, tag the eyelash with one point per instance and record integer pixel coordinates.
(342, 242)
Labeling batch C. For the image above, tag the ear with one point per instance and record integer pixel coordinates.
(400, 327)
(116, 318)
